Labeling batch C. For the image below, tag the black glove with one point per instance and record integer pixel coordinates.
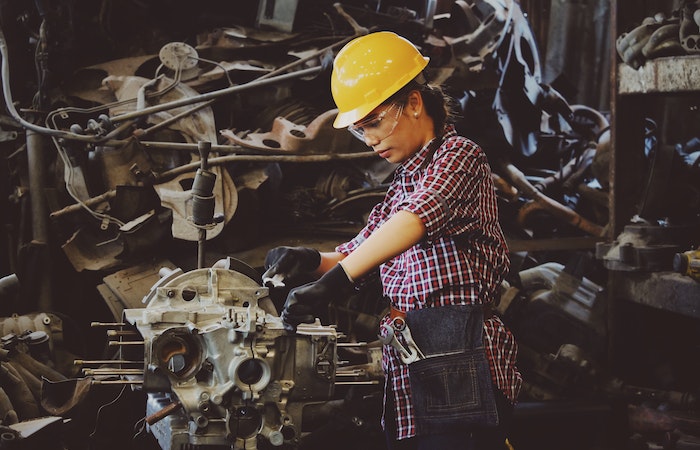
(304, 301)
(290, 265)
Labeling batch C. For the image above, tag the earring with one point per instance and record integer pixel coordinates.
(415, 114)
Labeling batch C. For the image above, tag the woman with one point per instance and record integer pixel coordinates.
(439, 249)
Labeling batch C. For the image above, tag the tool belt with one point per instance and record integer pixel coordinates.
(451, 384)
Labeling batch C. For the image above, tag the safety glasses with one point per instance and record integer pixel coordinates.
(379, 126)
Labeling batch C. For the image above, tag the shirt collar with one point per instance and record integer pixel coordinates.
(415, 162)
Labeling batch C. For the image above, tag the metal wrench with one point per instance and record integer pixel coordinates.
(409, 352)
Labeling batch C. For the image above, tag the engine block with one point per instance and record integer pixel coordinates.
(220, 370)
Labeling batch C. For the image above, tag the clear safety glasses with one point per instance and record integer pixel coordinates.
(379, 126)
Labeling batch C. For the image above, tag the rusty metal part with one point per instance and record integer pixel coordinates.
(359, 30)
(689, 33)
(569, 175)
(59, 397)
(663, 42)
(539, 201)
(86, 203)
(318, 136)
(19, 393)
(163, 413)
(629, 45)
(646, 247)
(8, 415)
(220, 160)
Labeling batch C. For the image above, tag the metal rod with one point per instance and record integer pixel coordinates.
(122, 333)
(348, 383)
(171, 120)
(82, 362)
(36, 165)
(350, 373)
(118, 343)
(186, 168)
(89, 202)
(163, 413)
(107, 324)
(112, 372)
(116, 382)
(215, 94)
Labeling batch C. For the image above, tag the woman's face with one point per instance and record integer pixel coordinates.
(395, 131)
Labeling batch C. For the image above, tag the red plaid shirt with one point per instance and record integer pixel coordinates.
(462, 260)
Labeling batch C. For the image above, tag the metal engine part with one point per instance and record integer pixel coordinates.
(220, 370)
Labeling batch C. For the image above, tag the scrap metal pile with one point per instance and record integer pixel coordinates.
(206, 128)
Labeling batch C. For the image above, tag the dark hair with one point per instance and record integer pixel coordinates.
(440, 106)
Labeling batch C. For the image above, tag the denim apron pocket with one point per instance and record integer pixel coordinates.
(451, 387)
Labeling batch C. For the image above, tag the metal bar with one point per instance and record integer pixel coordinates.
(113, 372)
(215, 94)
(82, 362)
(116, 382)
(107, 324)
(118, 343)
(122, 333)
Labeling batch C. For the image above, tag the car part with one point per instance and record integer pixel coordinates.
(219, 368)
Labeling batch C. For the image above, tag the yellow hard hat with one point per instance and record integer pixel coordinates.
(369, 70)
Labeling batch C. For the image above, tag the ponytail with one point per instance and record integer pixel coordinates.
(438, 105)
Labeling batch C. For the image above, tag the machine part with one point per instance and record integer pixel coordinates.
(9, 286)
(688, 263)
(689, 33)
(318, 137)
(475, 30)
(663, 42)
(50, 324)
(555, 295)
(359, 30)
(541, 201)
(214, 345)
(646, 247)
(179, 57)
(277, 14)
(520, 90)
(629, 45)
(44, 433)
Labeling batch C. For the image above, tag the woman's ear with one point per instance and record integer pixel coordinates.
(414, 104)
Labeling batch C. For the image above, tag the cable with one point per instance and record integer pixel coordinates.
(99, 410)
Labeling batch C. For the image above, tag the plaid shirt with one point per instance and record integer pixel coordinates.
(462, 260)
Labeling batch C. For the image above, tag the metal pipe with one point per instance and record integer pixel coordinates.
(119, 343)
(163, 413)
(82, 362)
(9, 102)
(169, 174)
(116, 382)
(541, 201)
(106, 324)
(36, 162)
(113, 371)
(215, 94)
(122, 333)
